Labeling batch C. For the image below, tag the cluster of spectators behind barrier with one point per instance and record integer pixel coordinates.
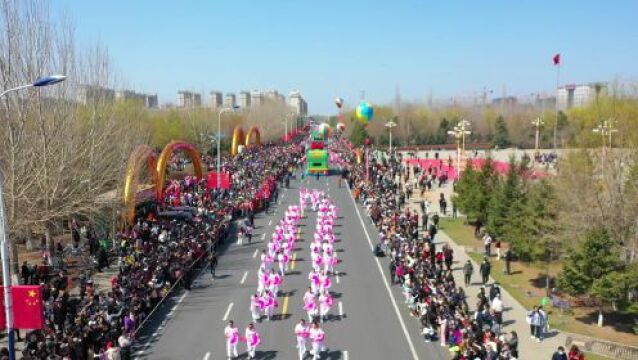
(157, 255)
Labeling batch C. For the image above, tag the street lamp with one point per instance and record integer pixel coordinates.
(4, 246)
(290, 114)
(459, 131)
(219, 141)
(605, 130)
(390, 124)
(538, 122)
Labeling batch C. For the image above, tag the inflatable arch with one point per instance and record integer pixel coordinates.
(238, 139)
(164, 157)
(253, 130)
(141, 154)
(359, 155)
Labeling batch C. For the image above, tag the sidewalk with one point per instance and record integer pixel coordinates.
(515, 314)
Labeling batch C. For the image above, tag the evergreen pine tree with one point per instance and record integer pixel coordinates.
(501, 136)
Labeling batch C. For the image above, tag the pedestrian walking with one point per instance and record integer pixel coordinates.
(559, 354)
(485, 269)
(487, 244)
(509, 256)
(212, 264)
(318, 337)
(468, 270)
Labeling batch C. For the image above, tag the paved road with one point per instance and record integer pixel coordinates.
(367, 323)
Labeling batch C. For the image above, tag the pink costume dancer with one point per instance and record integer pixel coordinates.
(318, 338)
(325, 282)
(317, 261)
(325, 303)
(252, 340)
(330, 261)
(232, 338)
(266, 260)
(255, 307)
(270, 304)
(310, 304)
(274, 280)
(302, 331)
(315, 281)
(283, 259)
(263, 280)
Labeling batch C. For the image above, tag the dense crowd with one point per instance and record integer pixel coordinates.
(159, 253)
(422, 268)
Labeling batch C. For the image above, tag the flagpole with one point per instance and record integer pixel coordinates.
(6, 275)
(556, 103)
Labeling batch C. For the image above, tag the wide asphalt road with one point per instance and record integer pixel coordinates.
(369, 319)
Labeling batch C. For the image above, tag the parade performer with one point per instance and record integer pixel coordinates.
(274, 280)
(315, 281)
(318, 338)
(270, 304)
(232, 338)
(302, 331)
(310, 304)
(252, 340)
(255, 307)
(325, 303)
(283, 259)
(324, 281)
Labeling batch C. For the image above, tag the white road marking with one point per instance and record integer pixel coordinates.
(230, 307)
(255, 254)
(263, 236)
(178, 302)
(243, 278)
(337, 278)
(345, 354)
(340, 309)
(270, 222)
(387, 285)
(207, 356)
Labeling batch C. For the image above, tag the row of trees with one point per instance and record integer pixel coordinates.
(63, 151)
(512, 208)
(584, 218)
(419, 124)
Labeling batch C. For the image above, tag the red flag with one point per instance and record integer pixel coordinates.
(28, 307)
(3, 320)
(557, 59)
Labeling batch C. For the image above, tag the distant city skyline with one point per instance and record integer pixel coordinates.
(326, 49)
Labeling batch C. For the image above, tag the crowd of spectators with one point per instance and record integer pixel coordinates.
(159, 253)
(422, 268)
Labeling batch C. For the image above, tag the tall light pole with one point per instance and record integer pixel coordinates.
(538, 122)
(456, 132)
(219, 141)
(4, 240)
(390, 124)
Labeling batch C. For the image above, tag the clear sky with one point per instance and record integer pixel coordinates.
(329, 48)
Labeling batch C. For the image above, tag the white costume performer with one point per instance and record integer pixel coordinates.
(318, 337)
(302, 331)
(232, 338)
(252, 340)
(325, 303)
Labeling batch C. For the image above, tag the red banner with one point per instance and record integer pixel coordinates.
(28, 307)
(212, 180)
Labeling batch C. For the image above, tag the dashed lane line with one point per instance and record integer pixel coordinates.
(230, 307)
(345, 355)
(255, 253)
(243, 278)
(340, 309)
(207, 356)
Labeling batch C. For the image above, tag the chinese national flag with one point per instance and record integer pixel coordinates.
(557, 59)
(3, 321)
(28, 308)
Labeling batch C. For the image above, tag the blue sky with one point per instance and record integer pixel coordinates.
(338, 48)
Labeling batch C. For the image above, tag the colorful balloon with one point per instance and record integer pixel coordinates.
(339, 102)
(341, 126)
(324, 130)
(365, 112)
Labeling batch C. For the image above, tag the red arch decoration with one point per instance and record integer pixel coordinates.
(253, 131)
(140, 155)
(164, 157)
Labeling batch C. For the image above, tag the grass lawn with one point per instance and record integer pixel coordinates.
(527, 285)
(592, 356)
